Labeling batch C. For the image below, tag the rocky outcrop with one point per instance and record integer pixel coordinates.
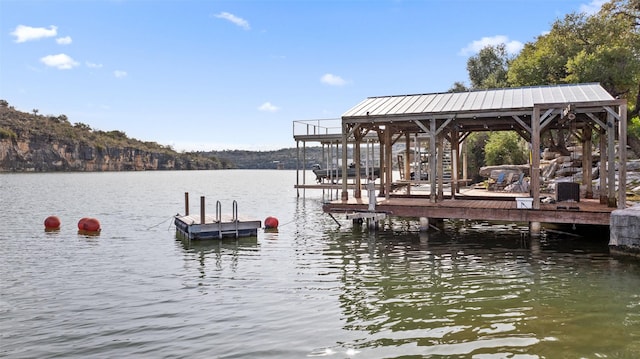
(36, 143)
(46, 155)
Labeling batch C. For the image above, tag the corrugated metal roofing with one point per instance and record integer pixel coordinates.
(487, 100)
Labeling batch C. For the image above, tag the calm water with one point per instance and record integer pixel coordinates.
(312, 289)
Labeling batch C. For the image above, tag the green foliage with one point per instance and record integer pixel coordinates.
(7, 133)
(458, 87)
(488, 69)
(475, 144)
(604, 48)
(634, 127)
(505, 147)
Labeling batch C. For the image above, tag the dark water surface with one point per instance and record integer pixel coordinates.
(312, 289)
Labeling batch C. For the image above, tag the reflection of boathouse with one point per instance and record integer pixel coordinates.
(593, 116)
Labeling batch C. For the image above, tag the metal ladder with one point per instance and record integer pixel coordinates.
(234, 219)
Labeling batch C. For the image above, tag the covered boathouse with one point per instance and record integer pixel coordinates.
(588, 111)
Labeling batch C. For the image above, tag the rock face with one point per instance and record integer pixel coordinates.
(36, 143)
(43, 155)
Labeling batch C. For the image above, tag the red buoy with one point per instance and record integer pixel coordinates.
(81, 223)
(271, 222)
(52, 223)
(87, 224)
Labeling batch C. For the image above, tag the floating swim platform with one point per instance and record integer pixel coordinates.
(190, 227)
(218, 226)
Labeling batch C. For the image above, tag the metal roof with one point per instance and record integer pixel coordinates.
(505, 99)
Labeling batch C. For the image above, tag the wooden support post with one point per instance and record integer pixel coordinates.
(535, 157)
(440, 162)
(432, 161)
(465, 174)
(587, 161)
(622, 138)
(382, 138)
(298, 168)
(424, 224)
(345, 193)
(602, 191)
(407, 160)
(186, 203)
(535, 228)
(388, 162)
(201, 209)
(455, 145)
(357, 192)
(611, 164)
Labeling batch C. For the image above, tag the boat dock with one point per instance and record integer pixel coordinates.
(218, 226)
(474, 206)
(437, 125)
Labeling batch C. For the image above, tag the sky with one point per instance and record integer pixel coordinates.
(236, 75)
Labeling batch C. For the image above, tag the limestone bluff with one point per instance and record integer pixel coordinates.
(30, 142)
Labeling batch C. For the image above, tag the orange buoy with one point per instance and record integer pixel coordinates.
(87, 224)
(271, 222)
(52, 223)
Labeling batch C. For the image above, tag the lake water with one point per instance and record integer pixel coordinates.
(312, 289)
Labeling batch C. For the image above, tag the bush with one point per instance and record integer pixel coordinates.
(4, 133)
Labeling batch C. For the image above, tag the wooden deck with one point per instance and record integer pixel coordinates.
(496, 207)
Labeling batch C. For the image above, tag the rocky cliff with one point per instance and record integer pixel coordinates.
(31, 142)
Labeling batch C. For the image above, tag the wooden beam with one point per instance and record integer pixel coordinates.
(596, 120)
(521, 123)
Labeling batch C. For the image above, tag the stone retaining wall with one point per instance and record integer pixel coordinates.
(624, 232)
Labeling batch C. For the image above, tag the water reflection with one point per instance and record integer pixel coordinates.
(215, 255)
(468, 290)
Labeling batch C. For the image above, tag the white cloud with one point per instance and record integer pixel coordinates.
(593, 7)
(92, 65)
(64, 40)
(268, 107)
(234, 19)
(333, 80)
(120, 74)
(27, 33)
(60, 61)
(512, 46)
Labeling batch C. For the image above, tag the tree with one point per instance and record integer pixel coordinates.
(504, 147)
(489, 68)
(604, 48)
(475, 144)
(458, 87)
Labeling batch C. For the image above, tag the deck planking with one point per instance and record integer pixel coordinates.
(587, 211)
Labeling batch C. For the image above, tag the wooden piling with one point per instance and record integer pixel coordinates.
(201, 209)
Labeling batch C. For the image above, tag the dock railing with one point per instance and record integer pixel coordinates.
(320, 127)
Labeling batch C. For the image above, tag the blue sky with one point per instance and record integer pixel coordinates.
(216, 75)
